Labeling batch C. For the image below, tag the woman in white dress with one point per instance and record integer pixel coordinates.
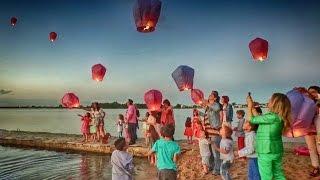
(98, 116)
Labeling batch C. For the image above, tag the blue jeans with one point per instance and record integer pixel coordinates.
(224, 170)
(216, 155)
(253, 169)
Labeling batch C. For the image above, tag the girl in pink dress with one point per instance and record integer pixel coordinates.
(188, 130)
(85, 128)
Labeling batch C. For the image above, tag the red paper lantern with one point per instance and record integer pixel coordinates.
(53, 36)
(70, 100)
(146, 14)
(13, 21)
(259, 49)
(153, 100)
(197, 96)
(98, 72)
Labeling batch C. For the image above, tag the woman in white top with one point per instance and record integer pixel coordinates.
(98, 116)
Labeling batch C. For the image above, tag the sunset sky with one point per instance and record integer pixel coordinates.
(210, 36)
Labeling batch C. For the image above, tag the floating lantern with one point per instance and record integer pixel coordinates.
(146, 14)
(303, 110)
(13, 21)
(183, 76)
(70, 100)
(153, 100)
(98, 72)
(197, 96)
(53, 36)
(259, 49)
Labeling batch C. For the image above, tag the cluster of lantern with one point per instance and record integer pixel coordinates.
(153, 99)
(259, 49)
(303, 110)
(98, 72)
(146, 15)
(70, 100)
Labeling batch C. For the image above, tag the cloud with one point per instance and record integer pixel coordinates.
(3, 91)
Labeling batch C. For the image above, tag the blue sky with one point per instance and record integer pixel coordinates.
(210, 36)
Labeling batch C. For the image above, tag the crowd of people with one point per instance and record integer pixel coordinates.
(258, 135)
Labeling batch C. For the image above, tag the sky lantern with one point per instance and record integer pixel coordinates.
(303, 110)
(259, 49)
(153, 100)
(146, 14)
(70, 100)
(183, 76)
(197, 96)
(98, 72)
(13, 21)
(53, 36)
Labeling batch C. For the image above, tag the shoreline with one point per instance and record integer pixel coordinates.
(189, 162)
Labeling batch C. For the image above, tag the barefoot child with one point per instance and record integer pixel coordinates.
(85, 127)
(269, 146)
(249, 151)
(120, 124)
(205, 153)
(226, 151)
(153, 136)
(188, 130)
(166, 151)
(121, 161)
(145, 128)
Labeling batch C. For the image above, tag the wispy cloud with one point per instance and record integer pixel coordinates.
(3, 91)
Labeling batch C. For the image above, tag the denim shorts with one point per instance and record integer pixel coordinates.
(205, 160)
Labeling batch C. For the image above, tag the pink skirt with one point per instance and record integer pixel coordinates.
(85, 129)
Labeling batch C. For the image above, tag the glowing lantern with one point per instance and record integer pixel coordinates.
(70, 100)
(183, 76)
(146, 14)
(197, 96)
(303, 110)
(153, 100)
(259, 49)
(98, 72)
(13, 21)
(53, 36)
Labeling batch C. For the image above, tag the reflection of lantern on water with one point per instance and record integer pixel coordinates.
(98, 72)
(13, 21)
(53, 36)
(197, 96)
(183, 77)
(153, 100)
(259, 49)
(70, 100)
(146, 14)
(303, 110)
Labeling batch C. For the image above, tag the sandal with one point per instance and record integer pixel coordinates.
(315, 172)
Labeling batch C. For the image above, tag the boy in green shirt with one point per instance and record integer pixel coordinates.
(166, 151)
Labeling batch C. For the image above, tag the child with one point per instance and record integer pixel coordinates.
(269, 146)
(196, 123)
(227, 111)
(166, 151)
(145, 127)
(226, 151)
(85, 127)
(239, 133)
(153, 136)
(249, 151)
(188, 130)
(121, 161)
(120, 125)
(204, 152)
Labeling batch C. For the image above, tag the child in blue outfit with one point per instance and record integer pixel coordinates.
(166, 151)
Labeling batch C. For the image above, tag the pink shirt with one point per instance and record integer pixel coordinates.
(131, 114)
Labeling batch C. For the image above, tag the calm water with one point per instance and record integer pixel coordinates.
(32, 164)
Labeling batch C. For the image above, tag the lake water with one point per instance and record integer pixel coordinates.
(33, 164)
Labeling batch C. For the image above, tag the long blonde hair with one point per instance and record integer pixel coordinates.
(280, 104)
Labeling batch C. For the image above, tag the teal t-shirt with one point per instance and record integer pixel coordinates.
(165, 150)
